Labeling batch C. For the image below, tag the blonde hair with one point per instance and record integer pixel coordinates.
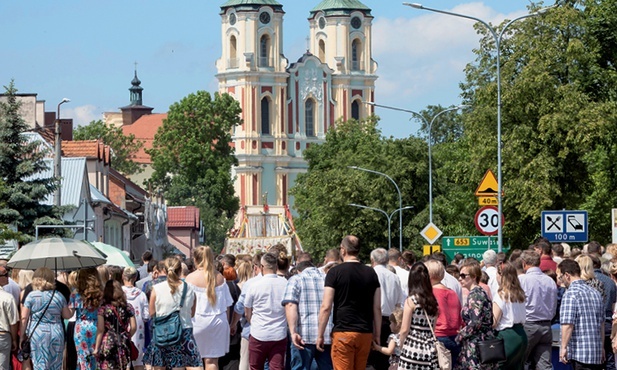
(435, 269)
(103, 273)
(244, 269)
(204, 259)
(43, 279)
(586, 264)
(129, 274)
(174, 269)
(397, 316)
(612, 249)
(25, 278)
(72, 280)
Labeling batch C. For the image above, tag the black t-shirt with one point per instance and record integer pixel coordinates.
(354, 288)
(60, 287)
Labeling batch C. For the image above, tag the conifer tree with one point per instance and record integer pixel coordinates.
(23, 193)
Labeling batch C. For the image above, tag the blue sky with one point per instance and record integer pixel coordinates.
(86, 50)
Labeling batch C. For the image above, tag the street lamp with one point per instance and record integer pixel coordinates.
(430, 143)
(389, 217)
(58, 156)
(497, 38)
(400, 200)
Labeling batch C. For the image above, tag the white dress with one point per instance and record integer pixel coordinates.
(210, 324)
(137, 299)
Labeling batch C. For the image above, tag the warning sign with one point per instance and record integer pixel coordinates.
(488, 186)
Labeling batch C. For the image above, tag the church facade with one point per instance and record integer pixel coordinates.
(287, 107)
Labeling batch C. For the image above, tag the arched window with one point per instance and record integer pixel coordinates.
(355, 110)
(233, 52)
(309, 117)
(356, 54)
(322, 51)
(264, 51)
(265, 116)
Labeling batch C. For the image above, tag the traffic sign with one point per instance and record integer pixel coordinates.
(487, 220)
(430, 249)
(468, 246)
(488, 186)
(431, 233)
(565, 226)
(487, 201)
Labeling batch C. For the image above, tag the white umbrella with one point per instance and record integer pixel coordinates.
(115, 256)
(57, 254)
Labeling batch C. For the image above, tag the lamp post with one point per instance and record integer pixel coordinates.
(58, 156)
(497, 38)
(400, 200)
(389, 217)
(430, 143)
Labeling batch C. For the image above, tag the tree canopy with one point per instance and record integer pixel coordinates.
(192, 159)
(123, 147)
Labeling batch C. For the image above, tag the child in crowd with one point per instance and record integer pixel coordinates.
(393, 349)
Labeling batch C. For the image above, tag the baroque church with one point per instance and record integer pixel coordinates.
(287, 107)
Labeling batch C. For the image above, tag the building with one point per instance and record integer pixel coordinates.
(287, 107)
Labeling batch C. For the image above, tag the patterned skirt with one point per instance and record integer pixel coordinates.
(418, 352)
(183, 354)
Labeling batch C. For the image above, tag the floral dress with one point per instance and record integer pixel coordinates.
(114, 352)
(85, 332)
(137, 299)
(418, 352)
(477, 317)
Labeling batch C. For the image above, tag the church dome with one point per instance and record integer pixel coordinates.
(344, 6)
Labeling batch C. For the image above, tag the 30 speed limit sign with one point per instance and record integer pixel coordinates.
(487, 220)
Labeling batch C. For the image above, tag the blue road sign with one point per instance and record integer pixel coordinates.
(565, 226)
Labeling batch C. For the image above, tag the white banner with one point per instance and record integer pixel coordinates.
(251, 246)
(614, 223)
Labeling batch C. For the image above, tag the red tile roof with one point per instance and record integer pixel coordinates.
(183, 217)
(86, 148)
(144, 129)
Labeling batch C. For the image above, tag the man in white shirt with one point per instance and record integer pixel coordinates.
(395, 260)
(8, 328)
(9, 285)
(263, 310)
(391, 297)
(489, 258)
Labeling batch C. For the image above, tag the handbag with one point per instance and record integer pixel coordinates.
(492, 351)
(167, 330)
(25, 349)
(133, 351)
(444, 357)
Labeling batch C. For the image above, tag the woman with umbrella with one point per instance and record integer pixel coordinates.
(42, 316)
(85, 303)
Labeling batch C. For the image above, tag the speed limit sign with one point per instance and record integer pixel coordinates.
(487, 220)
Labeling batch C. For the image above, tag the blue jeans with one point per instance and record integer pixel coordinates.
(451, 344)
(302, 359)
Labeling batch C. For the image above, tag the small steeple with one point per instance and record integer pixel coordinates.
(136, 90)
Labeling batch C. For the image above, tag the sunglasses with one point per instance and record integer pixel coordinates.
(463, 276)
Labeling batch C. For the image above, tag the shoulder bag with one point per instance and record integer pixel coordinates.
(25, 348)
(444, 357)
(167, 330)
(492, 351)
(133, 351)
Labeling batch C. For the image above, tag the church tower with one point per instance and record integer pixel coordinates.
(286, 107)
(341, 37)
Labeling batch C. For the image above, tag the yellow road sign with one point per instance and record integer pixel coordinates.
(487, 201)
(488, 186)
(429, 249)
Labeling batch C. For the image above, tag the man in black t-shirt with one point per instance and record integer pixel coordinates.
(353, 289)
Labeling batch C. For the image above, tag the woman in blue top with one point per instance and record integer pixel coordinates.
(42, 316)
(85, 303)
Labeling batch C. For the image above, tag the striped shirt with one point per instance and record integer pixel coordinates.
(306, 291)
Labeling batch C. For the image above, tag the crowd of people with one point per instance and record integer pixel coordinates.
(271, 311)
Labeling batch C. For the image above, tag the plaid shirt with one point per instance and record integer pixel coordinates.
(582, 307)
(306, 291)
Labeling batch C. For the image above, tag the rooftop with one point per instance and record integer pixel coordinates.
(183, 217)
(144, 129)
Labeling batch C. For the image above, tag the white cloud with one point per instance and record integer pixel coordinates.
(82, 115)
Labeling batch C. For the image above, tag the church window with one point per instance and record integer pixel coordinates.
(233, 52)
(322, 51)
(355, 110)
(309, 117)
(264, 51)
(265, 116)
(356, 54)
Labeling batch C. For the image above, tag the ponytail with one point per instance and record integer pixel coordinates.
(174, 270)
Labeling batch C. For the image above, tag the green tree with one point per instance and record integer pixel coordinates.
(192, 159)
(22, 195)
(323, 194)
(124, 147)
(558, 117)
